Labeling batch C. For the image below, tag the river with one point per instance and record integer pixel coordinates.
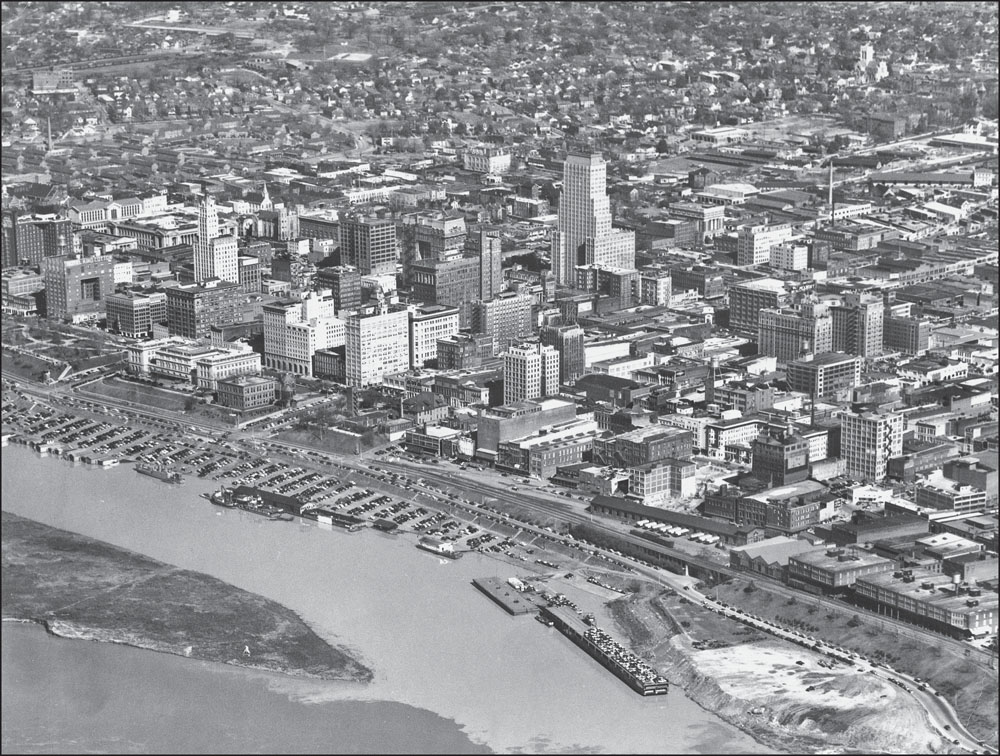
(453, 672)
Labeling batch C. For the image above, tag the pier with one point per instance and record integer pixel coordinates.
(504, 593)
(625, 665)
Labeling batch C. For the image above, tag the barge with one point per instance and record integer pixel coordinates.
(614, 657)
(167, 476)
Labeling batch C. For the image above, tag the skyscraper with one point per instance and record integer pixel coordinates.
(868, 441)
(568, 341)
(530, 370)
(368, 244)
(490, 258)
(214, 256)
(858, 326)
(584, 234)
(376, 345)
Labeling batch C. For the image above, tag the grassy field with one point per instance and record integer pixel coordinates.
(140, 394)
(102, 592)
(331, 441)
(27, 367)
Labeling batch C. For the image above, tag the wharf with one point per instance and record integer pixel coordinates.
(622, 663)
(512, 600)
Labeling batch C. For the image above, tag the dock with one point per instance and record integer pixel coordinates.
(614, 657)
(501, 591)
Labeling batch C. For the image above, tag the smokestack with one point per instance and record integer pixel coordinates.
(48, 142)
(710, 384)
(831, 192)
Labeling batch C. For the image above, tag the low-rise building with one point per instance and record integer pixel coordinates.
(834, 570)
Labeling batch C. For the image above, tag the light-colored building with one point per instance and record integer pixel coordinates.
(868, 441)
(428, 323)
(295, 331)
(487, 159)
(584, 223)
(789, 256)
(376, 345)
(530, 370)
(215, 256)
(656, 483)
(754, 243)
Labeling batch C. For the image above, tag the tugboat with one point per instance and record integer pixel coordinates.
(441, 548)
(166, 476)
(222, 498)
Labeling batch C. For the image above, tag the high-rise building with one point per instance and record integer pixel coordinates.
(568, 341)
(344, 282)
(428, 324)
(193, 309)
(464, 351)
(490, 260)
(868, 441)
(453, 282)
(655, 287)
(824, 375)
(214, 256)
(789, 334)
(754, 243)
(906, 335)
(75, 287)
(746, 300)
(134, 313)
(295, 331)
(780, 458)
(858, 324)
(504, 318)
(530, 370)
(584, 234)
(29, 238)
(368, 243)
(376, 345)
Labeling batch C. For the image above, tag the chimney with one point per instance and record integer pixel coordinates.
(832, 206)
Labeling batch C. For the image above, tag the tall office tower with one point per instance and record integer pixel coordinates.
(584, 234)
(858, 326)
(530, 370)
(376, 345)
(868, 441)
(825, 375)
(747, 299)
(490, 259)
(430, 236)
(295, 331)
(504, 318)
(214, 256)
(789, 335)
(345, 283)
(75, 287)
(368, 244)
(754, 243)
(568, 341)
(428, 324)
(29, 238)
(192, 310)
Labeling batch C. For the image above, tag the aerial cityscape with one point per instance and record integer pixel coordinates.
(472, 377)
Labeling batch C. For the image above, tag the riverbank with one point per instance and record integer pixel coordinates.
(79, 587)
(778, 693)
